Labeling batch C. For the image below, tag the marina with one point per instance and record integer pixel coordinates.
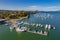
(27, 28)
(29, 20)
(21, 27)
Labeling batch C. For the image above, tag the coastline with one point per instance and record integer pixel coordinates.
(20, 18)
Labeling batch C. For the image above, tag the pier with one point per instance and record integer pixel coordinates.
(40, 33)
(20, 27)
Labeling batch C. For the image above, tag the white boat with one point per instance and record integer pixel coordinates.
(21, 29)
(41, 25)
(46, 26)
(49, 27)
(6, 24)
(22, 22)
(19, 23)
(11, 28)
(45, 32)
(37, 25)
(33, 24)
(2, 19)
(54, 28)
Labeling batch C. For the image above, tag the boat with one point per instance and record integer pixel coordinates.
(49, 27)
(41, 25)
(33, 24)
(37, 25)
(54, 28)
(46, 26)
(6, 24)
(21, 29)
(2, 21)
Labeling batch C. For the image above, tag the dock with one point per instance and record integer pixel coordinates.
(40, 33)
(20, 28)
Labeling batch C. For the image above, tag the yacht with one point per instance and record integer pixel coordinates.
(46, 26)
(21, 29)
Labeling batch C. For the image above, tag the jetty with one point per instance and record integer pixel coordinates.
(40, 33)
(20, 28)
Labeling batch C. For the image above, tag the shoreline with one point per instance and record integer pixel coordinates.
(21, 18)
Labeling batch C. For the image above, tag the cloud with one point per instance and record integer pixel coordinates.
(32, 8)
(51, 8)
(40, 8)
(43, 8)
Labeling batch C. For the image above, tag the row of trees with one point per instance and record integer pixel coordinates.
(14, 14)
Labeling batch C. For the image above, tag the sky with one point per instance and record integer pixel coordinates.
(41, 5)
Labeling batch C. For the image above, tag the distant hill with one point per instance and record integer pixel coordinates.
(49, 11)
(28, 11)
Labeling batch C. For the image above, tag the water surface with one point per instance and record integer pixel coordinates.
(42, 18)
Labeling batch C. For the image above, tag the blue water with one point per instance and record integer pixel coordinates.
(42, 18)
(48, 18)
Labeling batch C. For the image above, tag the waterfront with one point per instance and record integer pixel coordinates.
(43, 18)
